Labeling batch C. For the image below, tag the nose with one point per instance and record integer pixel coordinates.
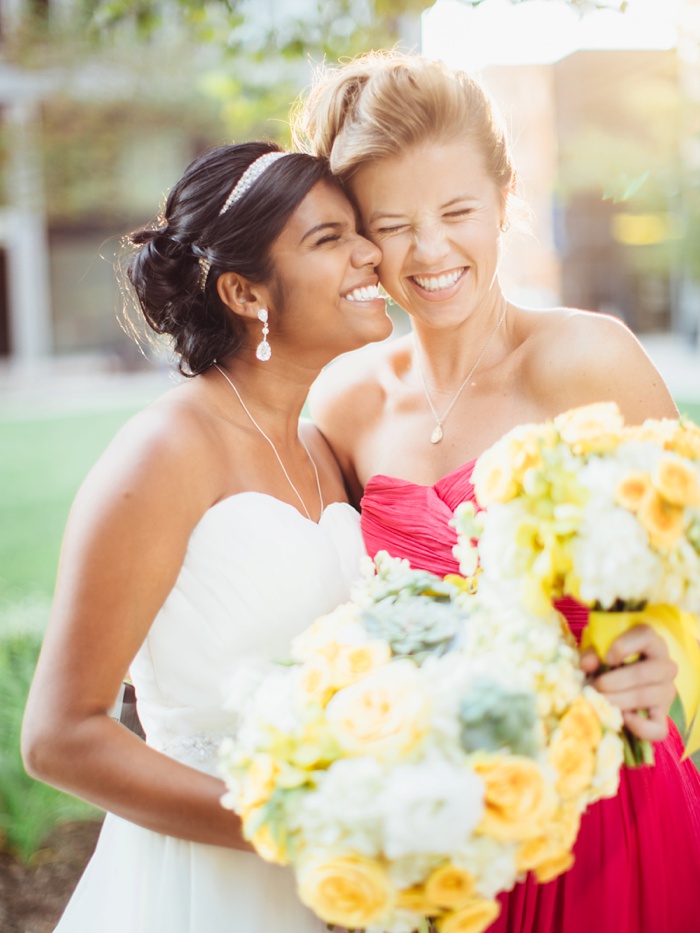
(365, 253)
(429, 244)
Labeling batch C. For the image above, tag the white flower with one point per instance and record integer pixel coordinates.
(430, 808)
(491, 863)
(344, 808)
(609, 758)
(612, 557)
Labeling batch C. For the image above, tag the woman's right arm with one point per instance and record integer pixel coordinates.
(124, 545)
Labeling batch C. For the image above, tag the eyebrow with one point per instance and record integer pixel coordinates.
(386, 215)
(332, 225)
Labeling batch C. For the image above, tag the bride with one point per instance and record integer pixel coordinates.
(214, 528)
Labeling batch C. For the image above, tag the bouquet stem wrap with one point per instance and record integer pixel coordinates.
(680, 630)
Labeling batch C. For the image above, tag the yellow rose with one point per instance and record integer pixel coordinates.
(581, 722)
(315, 679)
(474, 918)
(386, 713)
(258, 783)
(269, 848)
(351, 891)
(353, 662)
(493, 475)
(590, 428)
(676, 482)
(661, 521)
(574, 762)
(325, 634)
(609, 758)
(686, 440)
(519, 801)
(416, 900)
(450, 886)
(553, 848)
(554, 867)
(632, 490)
(316, 746)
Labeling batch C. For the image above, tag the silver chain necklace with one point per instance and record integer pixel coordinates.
(438, 433)
(274, 449)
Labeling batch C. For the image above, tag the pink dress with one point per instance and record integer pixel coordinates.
(637, 857)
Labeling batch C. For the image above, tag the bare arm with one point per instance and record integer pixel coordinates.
(605, 362)
(123, 548)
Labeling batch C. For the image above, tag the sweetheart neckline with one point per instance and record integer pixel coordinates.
(407, 482)
(288, 505)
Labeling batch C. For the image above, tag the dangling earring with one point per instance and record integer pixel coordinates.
(263, 351)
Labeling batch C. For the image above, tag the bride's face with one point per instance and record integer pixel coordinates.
(435, 212)
(325, 283)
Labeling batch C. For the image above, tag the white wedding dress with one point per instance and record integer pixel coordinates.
(255, 574)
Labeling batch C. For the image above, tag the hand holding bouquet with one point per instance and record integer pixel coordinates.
(583, 506)
(425, 749)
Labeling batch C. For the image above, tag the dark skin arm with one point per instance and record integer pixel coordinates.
(121, 555)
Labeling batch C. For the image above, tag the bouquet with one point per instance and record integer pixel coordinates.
(584, 506)
(423, 750)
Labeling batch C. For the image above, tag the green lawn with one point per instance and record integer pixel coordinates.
(690, 409)
(42, 465)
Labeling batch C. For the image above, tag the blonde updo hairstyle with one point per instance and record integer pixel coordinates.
(382, 103)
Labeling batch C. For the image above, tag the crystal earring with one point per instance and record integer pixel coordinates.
(263, 351)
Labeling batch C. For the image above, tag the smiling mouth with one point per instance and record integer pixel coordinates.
(366, 293)
(435, 283)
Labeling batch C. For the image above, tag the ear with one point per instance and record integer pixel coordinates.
(240, 295)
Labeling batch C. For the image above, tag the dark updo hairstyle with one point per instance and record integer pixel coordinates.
(164, 266)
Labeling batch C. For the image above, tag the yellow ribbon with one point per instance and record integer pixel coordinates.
(680, 631)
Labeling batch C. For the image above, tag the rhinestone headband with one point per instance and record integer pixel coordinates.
(247, 179)
(250, 176)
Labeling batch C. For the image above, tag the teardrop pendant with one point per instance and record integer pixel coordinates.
(436, 436)
(263, 351)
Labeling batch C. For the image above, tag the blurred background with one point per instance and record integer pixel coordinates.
(102, 105)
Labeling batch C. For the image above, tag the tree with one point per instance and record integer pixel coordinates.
(326, 28)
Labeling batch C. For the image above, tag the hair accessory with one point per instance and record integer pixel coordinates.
(204, 267)
(250, 176)
(437, 434)
(263, 351)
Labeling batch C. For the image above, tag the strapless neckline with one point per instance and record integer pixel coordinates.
(386, 479)
(273, 500)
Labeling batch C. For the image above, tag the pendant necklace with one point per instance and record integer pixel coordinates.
(274, 449)
(438, 433)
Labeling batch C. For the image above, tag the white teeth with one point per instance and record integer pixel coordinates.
(432, 283)
(369, 293)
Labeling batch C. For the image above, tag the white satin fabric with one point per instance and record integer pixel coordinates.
(256, 573)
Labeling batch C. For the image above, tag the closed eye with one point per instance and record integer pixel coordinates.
(329, 238)
(463, 213)
(384, 231)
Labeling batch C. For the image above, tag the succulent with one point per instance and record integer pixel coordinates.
(493, 718)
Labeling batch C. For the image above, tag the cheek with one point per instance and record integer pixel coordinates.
(392, 261)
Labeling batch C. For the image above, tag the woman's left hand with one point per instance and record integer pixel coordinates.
(642, 689)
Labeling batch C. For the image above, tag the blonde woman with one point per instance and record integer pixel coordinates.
(422, 154)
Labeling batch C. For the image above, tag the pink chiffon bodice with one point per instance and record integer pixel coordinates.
(637, 856)
(413, 521)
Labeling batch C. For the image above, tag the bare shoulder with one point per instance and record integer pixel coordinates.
(161, 458)
(352, 389)
(578, 357)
